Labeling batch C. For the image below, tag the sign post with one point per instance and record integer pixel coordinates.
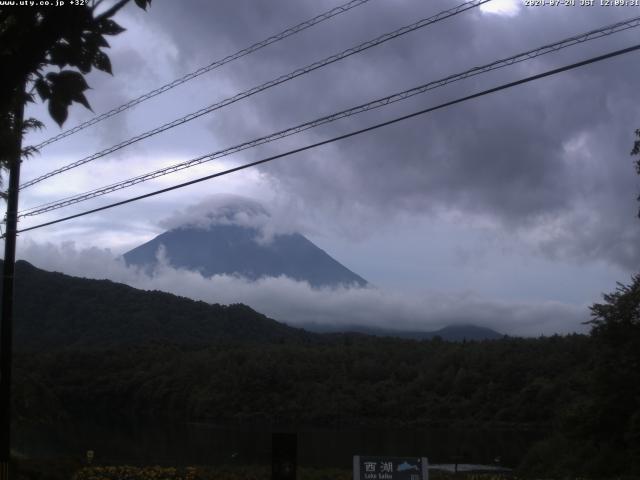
(284, 456)
(390, 468)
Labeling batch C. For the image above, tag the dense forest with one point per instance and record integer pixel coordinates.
(350, 380)
(119, 352)
(55, 311)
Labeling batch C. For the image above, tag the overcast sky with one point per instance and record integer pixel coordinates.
(516, 210)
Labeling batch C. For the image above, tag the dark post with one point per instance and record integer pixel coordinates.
(284, 456)
(6, 318)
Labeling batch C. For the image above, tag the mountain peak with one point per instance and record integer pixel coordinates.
(234, 235)
(229, 249)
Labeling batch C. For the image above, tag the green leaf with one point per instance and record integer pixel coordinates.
(66, 87)
(80, 98)
(102, 42)
(101, 62)
(71, 81)
(59, 55)
(98, 40)
(109, 27)
(58, 111)
(81, 56)
(84, 61)
(143, 3)
(32, 124)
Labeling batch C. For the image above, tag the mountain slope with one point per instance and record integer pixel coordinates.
(53, 310)
(234, 249)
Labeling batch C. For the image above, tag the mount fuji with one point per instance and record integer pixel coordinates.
(231, 241)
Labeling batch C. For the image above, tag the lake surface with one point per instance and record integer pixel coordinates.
(205, 444)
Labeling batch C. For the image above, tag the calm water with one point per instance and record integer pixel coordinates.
(202, 444)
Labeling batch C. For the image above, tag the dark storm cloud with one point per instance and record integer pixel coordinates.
(448, 207)
(549, 160)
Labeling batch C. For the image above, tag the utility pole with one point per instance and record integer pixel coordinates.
(6, 314)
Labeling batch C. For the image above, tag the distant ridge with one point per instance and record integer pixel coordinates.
(236, 250)
(452, 333)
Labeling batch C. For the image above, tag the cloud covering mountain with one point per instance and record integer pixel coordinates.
(238, 236)
(297, 303)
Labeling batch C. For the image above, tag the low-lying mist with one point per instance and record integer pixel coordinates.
(297, 303)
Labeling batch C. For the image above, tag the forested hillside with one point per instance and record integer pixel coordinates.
(98, 349)
(57, 311)
(351, 380)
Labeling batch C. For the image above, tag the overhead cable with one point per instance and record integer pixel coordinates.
(202, 70)
(342, 137)
(271, 83)
(584, 37)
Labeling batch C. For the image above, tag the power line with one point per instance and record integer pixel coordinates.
(272, 83)
(202, 70)
(591, 35)
(347, 135)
